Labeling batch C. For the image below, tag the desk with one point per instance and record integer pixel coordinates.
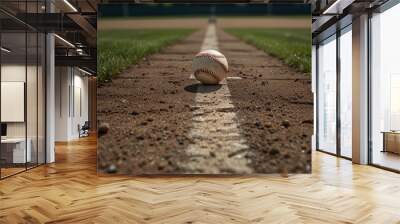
(391, 141)
(16, 148)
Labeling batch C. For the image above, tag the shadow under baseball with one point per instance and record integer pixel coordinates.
(200, 88)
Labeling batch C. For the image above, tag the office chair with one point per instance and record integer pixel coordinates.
(84, 130)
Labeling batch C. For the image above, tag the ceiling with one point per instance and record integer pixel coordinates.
(205, 1)
(74, 22)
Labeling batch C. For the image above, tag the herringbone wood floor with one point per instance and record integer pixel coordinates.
(70, 191)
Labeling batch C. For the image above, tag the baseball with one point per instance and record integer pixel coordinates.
(210, 67)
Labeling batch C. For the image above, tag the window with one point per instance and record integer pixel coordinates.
(385, 89)
(346, 92)
(327, 95)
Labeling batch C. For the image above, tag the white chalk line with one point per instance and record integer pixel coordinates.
(217, 144)
(228, 78)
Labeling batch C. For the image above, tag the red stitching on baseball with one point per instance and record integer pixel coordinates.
(206, 71)
(214, 59)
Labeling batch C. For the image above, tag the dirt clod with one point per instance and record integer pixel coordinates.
(134, 113)
(103, 129)
(285, 123)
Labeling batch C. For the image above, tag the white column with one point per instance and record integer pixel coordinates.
(50, 100)
(50, 93)
(360, 90)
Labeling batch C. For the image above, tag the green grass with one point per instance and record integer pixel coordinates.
(292, 46)
(117, 49)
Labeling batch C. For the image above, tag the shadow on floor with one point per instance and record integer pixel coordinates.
(200, 88)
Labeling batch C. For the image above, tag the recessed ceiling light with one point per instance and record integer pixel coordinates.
(337, 7)
(86, 72)
(65, 41)
(70, 5)
(5, 50)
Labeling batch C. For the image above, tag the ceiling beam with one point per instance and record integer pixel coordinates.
(84, 24)
(78, 61)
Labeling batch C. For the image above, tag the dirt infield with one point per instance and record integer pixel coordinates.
(149, 109)
(275, 107)
(202, 23)
(149, 112)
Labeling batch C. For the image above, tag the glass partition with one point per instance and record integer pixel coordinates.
(385, 89)
(13, 95)
(327, 95)
(23, 91)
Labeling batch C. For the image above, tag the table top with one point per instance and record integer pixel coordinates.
(13, 140)
(391, 132)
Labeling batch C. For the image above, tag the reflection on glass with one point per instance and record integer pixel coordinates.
(22, 90)
(327, 95)
(14, 153)
(31, 100)
(385, 89)
(346, 92)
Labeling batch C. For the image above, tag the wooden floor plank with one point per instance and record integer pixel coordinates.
(70, 191)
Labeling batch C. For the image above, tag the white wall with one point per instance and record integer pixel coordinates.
(80, 94)
(62, 82)
(33, 126)
(70, 83)
(12, 73)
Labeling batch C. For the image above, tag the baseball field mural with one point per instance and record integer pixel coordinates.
(204, 89)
